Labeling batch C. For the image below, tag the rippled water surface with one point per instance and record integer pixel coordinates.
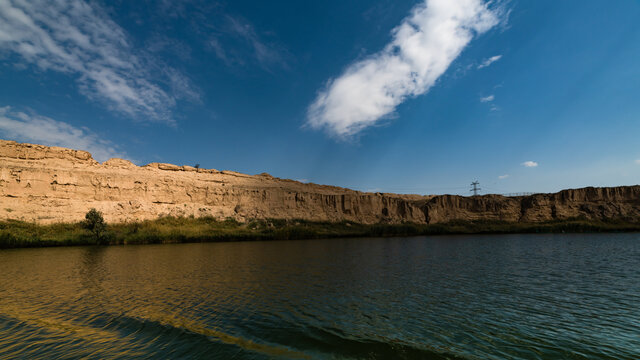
(468, 297)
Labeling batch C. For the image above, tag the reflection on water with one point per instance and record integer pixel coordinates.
(469, 297)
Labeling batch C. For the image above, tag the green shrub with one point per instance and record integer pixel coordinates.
(7, 240)
(94, 222)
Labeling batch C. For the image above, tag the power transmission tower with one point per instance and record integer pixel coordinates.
(475, 188)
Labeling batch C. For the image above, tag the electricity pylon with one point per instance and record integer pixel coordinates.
(475, 188)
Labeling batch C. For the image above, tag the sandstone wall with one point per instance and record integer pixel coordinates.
(52, 184)
(592, 203)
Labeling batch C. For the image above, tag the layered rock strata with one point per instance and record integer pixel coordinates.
(51, 184)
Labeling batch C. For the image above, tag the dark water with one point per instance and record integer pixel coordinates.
(468, 297)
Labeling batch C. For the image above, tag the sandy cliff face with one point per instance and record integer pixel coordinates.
(621, 203)
(52, 184)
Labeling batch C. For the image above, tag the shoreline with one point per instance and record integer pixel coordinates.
(172, 230)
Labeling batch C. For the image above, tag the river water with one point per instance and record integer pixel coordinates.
(466, 297)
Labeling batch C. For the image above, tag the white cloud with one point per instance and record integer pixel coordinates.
(487, 98)
(502, 177)
(423, 47)
(78, 38)
(638, 161)
(489, 61)
(45, 131)
(530, 164)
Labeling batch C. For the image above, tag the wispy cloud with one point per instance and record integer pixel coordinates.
(529, 164)
(264, 52)
(638, 161)
(423, 47)
(502, 177)
(487, 98)
(38, 129)
(489, 61)
(79, 38)
(267, 54)
(216, 45)
(161, 43)
(181, 86)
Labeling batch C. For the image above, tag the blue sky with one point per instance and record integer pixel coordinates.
(389, 95)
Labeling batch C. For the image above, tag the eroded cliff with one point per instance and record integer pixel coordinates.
(52, 184)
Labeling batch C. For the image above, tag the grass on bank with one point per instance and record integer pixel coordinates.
(181, 230)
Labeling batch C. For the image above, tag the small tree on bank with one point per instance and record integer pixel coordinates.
(94, 222)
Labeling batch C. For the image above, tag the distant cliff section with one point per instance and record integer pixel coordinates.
(51, 184)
